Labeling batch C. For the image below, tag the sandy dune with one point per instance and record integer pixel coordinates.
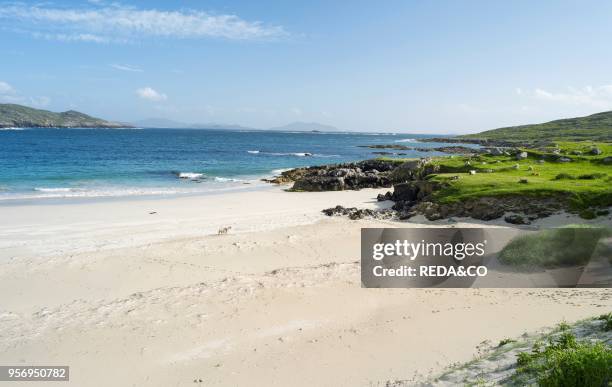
(130, 298)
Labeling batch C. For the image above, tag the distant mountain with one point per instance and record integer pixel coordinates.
(306, 127)
(212, 125)
(159, 123)
(594, 127)
(18, 116)
(171, 124)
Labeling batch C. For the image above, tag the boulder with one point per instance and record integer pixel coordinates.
(414, 190)
(516, 219)
(564, 160)
(387, 196)
(595, 151)
(357, 213)
(412, 170)
(319, 183)
(521, 155)
(487, 210)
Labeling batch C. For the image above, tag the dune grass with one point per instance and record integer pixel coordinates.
(566, 361)
(568, 246)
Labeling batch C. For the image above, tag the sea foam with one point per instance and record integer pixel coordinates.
(190, 175)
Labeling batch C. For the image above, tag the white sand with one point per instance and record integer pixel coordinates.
(130, 298)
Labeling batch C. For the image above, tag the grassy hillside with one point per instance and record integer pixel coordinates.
(585, 181)
(597, 127)
(19, 116)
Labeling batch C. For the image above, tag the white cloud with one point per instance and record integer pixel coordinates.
(126, 68)
(9, 95)
(599, 97)
(151, 94)
(78, 37)
(5, 88)
(297, 111)
(117, 23)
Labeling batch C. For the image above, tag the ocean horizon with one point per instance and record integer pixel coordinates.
(40, 163)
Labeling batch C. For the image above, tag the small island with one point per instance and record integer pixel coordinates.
(19, 116)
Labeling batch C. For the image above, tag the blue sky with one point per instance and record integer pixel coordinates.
(409, 66)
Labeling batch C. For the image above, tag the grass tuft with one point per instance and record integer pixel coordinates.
(567, 362)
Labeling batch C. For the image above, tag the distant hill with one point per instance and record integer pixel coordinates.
(306, 127)
(594, 127)
(159, 123)
(171, 124)
(18, 116)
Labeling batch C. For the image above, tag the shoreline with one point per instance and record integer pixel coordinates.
(253, 185)
(160, 299)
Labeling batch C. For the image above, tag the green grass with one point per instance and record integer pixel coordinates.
(585, 182)
(594, 127)
(566, 362)
(607, 319)
(553, 247)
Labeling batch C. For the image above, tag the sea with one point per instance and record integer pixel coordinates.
(96, 163)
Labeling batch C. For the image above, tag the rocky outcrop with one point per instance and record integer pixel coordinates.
(413, 193)
(353, 176)
(358, 213)
(489, 208)
(288, 176)
(413, 170)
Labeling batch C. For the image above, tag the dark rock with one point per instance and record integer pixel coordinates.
(412, 170)
(338, 177)
(357, 213)
(319, 183)
(487, 210)
(595, 151)
(516, 219)
(414, 190)
(387, 196)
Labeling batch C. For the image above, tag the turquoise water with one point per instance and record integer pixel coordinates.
(45, 163)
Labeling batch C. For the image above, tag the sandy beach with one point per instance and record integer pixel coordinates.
(142, 292)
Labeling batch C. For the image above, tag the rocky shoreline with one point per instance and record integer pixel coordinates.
(413, 194)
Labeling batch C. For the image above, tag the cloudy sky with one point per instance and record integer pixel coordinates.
(410, 66)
